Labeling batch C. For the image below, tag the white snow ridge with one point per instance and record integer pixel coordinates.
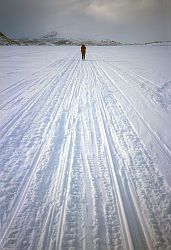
(85, 148)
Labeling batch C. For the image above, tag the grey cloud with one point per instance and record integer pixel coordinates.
(129, 20)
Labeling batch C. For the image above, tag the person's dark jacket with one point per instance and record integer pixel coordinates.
(83, 49)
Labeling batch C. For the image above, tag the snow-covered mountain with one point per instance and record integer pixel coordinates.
(159, 43)
(4, 40)
(153, 43)
(53, 39)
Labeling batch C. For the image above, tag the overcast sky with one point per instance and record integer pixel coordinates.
(121, 20)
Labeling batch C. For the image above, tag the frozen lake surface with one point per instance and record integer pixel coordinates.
(85, 148)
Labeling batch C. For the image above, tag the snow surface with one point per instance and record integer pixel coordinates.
(85, 148)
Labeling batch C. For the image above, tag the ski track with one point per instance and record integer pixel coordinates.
(165, 148)
(145, 88)
(74, 174)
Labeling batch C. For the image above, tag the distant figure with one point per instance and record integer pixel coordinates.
(83, 51)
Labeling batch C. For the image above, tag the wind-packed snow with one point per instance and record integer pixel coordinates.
(85, 148)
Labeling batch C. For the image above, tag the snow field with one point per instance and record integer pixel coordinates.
(85, 149)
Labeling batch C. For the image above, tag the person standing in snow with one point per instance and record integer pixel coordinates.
(83, 51)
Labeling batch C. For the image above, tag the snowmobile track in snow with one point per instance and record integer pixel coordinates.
(75, 174)
(164, 147)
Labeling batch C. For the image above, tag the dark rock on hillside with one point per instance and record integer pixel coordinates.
(4, 40)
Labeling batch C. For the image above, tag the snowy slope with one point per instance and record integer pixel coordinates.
(85, 148)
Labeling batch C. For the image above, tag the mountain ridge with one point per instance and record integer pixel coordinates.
(52, 39)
